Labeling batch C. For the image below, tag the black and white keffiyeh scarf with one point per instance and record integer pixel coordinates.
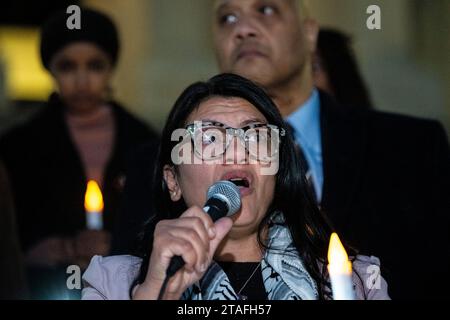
(283, 272)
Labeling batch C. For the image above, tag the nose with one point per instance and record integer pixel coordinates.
(82, 79)
(246, 28)
(236, 152)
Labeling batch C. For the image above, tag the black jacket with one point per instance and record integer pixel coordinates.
(47, 175)
(386, 191)
(12, 271)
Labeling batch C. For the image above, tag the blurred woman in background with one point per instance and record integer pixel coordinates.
(81, 134)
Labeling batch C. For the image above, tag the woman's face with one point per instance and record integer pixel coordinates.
(82, 72)
(191, 181)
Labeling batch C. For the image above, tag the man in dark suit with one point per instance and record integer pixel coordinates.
(382, 179)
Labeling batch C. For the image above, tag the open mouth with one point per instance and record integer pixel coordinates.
(240, 182)
(242, 179)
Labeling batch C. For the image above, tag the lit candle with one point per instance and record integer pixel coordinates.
(93, 204)
(340, 270)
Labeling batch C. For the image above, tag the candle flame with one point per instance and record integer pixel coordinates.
(93, 199)
(337, 257)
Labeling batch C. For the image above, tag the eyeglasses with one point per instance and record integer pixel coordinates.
(211, 140)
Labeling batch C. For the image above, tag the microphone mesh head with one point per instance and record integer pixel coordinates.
(226, 190)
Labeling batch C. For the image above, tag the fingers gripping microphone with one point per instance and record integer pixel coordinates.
(224, 199)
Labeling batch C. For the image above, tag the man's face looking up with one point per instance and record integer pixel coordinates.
(263, 40)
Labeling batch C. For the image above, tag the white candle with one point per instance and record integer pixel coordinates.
(340, 270)
(94, 220)
(93, 204)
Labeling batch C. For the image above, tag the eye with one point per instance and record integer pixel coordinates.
(211, 136)
(208, 139)
(251, 137)
(267, 10)
(97, 65)
(228, 19)
(65, 66)
(259, 135)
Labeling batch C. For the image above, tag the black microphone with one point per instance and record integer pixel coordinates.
(224, 199)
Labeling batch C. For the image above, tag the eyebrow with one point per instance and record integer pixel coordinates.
(220, 7)
(252, 120)
(242, 124)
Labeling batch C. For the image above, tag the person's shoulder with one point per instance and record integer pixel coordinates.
(403, 121)
(406, 132)
(375, 121)
(110, 278)
(367, 279)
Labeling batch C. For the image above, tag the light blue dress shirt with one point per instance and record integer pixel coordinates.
(306, 123)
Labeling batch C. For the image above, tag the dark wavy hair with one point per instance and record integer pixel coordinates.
(309, 228)
(340, 63)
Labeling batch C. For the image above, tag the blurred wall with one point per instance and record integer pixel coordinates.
(167, 46)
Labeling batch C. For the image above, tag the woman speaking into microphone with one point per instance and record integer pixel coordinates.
(273, 248)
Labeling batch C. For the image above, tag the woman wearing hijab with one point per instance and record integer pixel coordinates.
(81, 134)
(273, 248)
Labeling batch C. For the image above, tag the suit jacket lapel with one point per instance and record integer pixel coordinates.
(343, 149)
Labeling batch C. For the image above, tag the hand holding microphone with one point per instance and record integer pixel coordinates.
(224, 199)
(183, 248)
